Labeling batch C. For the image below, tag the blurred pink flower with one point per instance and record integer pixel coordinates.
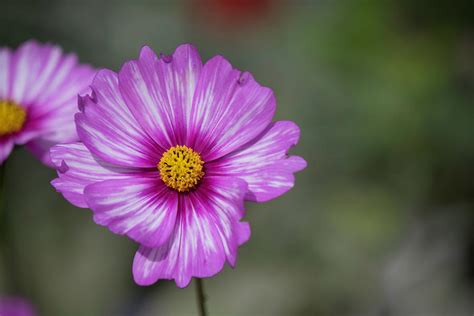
(15, 306)
(38, 97)
(170, 150)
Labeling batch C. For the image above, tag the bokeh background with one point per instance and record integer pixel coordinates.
(380, 223)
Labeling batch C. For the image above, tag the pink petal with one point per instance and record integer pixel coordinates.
(51, 115)
(41, 79)
(15, 306)
(264, 163)
(159, 92)
(5, 73)
(56, 128)
(57, 90)
(207, 232)
(6, 147)
(108, 129)
(229, 109)
(40, 148)
(78, 167)
(143, 208)
(41, 74)
(25, 66)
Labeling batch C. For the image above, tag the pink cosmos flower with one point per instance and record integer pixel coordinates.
(15, 306)
(38, 97)
(170, 150)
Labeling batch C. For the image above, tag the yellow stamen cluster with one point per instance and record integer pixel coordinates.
(12, 117)
(181, 168)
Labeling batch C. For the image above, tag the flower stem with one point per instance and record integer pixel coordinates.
(2, 189)
(9, 266)
(201, 297)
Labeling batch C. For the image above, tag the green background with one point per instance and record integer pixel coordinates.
(381, 221)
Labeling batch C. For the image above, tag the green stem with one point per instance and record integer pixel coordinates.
(201, 297)
(6, 240)
(2, 189)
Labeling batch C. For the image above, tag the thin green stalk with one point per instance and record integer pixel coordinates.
(201, 297)
(6, 239)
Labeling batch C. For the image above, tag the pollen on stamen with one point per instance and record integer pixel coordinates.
(12, 117)
(181, 168)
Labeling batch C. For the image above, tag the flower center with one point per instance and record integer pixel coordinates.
(181, 168)
(12, 117)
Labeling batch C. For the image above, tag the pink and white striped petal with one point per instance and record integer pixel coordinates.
(207, 233)
(51, 116)
(6, 147)
(264, 163)
(27, 63)
(229, 109)
(77, 167)
(40, 74)
(5, 73)
(142, 208)
(109, 130)
(159, 92)
(45, 82)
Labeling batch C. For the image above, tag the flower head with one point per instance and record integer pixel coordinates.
(170, 150)
(38, 97)
(15, 306)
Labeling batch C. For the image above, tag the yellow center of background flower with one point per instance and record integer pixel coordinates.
(181, 168)
(12, 117)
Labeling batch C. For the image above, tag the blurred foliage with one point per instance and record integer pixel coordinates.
(380, 223)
